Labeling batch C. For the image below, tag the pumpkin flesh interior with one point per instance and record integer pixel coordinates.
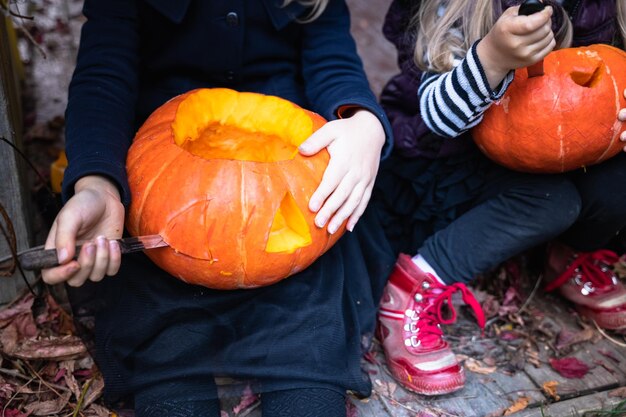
(218, 141)
(225, 124)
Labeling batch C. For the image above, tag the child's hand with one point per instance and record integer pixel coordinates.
(515, 42)
(93, 212)
(354, 145)
(622, 118)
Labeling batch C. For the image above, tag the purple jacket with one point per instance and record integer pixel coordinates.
(594, 22)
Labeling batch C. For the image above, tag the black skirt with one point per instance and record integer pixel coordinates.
(159, 335)
(417, 197)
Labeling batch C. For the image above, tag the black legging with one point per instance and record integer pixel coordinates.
(517, 211)
(312, 402)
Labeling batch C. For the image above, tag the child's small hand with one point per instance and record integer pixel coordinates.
(622, 118)
(515, 42)
(93, 212)
(354, 145)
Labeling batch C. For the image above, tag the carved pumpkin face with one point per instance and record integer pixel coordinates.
(217, 173)
(562, 120)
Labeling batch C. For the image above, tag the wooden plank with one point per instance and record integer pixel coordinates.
(559, 316)
(482, 394)
(574, 407)
(612, 357)
(13, 193)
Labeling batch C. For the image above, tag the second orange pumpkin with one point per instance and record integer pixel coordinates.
(562, 120)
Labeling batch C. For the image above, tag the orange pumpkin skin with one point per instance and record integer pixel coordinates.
(562, 120)
(217, 214)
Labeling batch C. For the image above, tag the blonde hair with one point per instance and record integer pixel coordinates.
(316, 8)
(447, 28)
(621, 20)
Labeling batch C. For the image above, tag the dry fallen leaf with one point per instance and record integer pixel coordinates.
(570, 367)
(567, 338)
(618, 392)
(57, 348)
(69, 378)
(95, 410)
(247, 399)
(478, 367)
(520, 404)
(532, 356)
(95, 390)
(550, 389)
(50, 407)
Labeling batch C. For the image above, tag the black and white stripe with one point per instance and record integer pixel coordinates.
(455, 101)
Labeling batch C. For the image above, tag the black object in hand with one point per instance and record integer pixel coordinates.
(531, 6)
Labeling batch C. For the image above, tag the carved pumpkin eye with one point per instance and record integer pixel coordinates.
(217, 173)
(560, 121)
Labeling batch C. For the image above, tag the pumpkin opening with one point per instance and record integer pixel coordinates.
(223, 124)
(587, 78)
(218, 141)
(289, 229)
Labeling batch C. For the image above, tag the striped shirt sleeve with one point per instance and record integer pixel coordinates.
(454, 102)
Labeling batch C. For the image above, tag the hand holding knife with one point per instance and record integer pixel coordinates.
(40, 258)
(527, 8)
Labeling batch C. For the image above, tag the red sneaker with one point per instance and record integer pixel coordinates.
(587, 280)
(408, 328)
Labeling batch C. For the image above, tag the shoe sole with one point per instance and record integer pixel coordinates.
(445, 385)
(604, 319)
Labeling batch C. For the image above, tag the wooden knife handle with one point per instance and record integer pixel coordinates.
(41, 258)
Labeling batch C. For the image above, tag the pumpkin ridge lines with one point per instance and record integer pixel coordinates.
(241, 238)
(148, 188)
(170, 225)
(617, 125)
(209, 225)
(146, 151)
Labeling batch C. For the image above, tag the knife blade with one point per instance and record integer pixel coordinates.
(40, 258)
(527, 8)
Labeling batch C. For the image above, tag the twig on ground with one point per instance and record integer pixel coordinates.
(17, 392)
(609, 338)
(383, 401)
(43, 381)
(80, 401)
(250, 409)
(532, 294)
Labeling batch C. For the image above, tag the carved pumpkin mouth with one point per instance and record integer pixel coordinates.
(289, 230)
(226, 125)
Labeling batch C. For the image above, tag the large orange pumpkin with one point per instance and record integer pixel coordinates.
(217, 173)
(562, 120)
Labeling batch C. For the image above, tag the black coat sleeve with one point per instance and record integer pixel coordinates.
(332, 70)
(102, 95)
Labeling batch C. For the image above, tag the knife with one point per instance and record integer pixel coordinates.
(527, 8)
(40, 258)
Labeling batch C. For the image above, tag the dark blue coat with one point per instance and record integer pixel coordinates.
(156, 332)
(135, 55)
